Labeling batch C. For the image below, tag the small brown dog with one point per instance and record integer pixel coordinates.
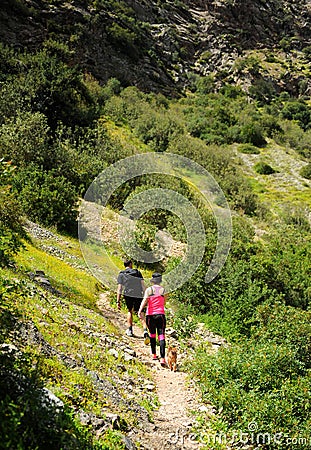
(172, 358)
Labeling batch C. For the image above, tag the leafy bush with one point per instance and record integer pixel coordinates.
(47, 198)
(112, 87)
(205, 85)
(49, 85)
(288, 249)
(145, 235)
(11, 220)
(253, 133)
(263, 168)
(24, 139)
(297, 216)
(248, 149)
(183, 320)
(249, 64)
(11, 227)
(262, 90)
(294, 137)
(218, 161)
(305, 171)
(125, 38)
(233, 298)
(253, 274)
(211, 121)
(158, 129)
(297, 110)
(264, 379)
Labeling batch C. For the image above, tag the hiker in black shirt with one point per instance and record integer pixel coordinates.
(131, 285)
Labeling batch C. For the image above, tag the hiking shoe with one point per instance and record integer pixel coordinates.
(146, 339)
(129, 332)
(163, 362)
(155, 358)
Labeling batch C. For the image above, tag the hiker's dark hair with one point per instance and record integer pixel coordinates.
(127, 262)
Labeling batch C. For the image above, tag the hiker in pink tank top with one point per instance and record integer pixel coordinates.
(155, 299)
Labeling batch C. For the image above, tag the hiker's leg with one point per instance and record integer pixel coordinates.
(161, 324)
(153, 333)
(129, 301)
(137, 303)
(130, 319)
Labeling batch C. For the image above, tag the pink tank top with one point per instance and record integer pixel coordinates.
(156, 301)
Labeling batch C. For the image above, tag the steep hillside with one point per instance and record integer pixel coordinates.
(285, 186)
(89, 386)
(159, 46)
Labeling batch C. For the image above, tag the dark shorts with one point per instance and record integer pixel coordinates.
(132, 303)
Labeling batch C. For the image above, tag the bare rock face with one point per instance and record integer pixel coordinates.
(157, 46)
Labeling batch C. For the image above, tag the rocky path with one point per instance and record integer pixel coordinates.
(177, 397)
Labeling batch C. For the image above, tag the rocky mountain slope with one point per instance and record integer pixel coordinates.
(158, 46)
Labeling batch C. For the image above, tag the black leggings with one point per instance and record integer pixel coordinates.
(156, 324)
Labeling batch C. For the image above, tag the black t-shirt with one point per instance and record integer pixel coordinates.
(131, 280)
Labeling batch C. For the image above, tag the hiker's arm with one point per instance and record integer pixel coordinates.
(119, 293)
(143, 285)
(143, 303)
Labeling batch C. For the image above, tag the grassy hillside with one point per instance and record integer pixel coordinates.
(54, 337)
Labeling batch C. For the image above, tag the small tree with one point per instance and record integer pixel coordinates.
(47, 197)
(11, 222)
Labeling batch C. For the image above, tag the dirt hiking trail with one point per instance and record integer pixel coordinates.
(177, 397)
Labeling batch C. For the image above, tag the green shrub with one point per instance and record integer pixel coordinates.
(157, 129)
(24, 139)
(270, 124)
(281, 324)
(11, 102)
(288, 248)
(297, 110)
(11, 227)
(218, 161)
(11, 220)
(307, 51)
(145, 235)
(305, 171)
(264, 379)
(262, 90)
(212, 121)
(248, 63)
(112, 87)
(47, 84)
(252, 133)
(297, 216)
(263, 168)
(205, 85)
(294, 137)
(248, 149)
(184, 320)
(125, 38)
(47, 198)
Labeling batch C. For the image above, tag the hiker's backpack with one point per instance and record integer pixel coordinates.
(131, 280)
